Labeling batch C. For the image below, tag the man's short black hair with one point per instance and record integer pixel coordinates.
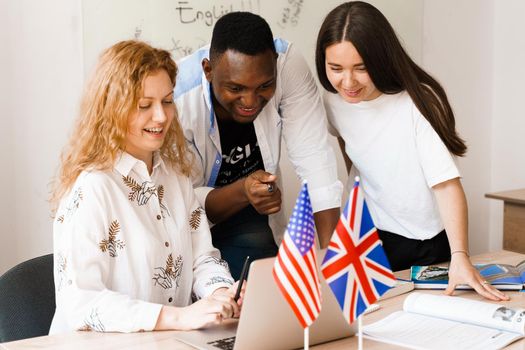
(243, 32)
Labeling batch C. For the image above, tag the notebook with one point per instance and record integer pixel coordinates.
(267, 321)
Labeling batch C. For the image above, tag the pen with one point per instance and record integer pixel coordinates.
(244, 272)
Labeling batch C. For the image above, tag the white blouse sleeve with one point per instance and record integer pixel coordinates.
(82, 268)
(210, 272)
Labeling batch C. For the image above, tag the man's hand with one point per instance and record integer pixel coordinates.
(262, 192)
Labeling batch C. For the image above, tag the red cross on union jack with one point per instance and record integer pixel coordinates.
(355, 265)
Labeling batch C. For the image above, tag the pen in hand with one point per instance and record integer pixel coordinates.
(244, 273)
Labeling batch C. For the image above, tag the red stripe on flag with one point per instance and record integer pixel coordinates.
(369, 241)
(354, 201)
(303, 277)
(352, 254)
(289, 299)
(384, 271)
(334, 245)
(353, 302)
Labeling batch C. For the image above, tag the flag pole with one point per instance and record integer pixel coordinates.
(360, 333)
(306, 338)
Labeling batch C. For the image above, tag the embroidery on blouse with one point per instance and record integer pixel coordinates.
(93, 322)
(60, 219)
(74, 203)
(217, 261)
(160, 194)
(112, 243)
(141, 193)
(61, 267)
(171, 273)
(218, 279)
(195, 218)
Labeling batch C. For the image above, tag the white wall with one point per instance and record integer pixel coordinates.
(6, 159)
(43, 77)
(458, 51)
(477, 49)
(508, 113)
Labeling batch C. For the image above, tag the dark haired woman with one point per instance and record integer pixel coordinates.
(395, 125)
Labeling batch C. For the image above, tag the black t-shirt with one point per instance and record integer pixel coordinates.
(240, 152)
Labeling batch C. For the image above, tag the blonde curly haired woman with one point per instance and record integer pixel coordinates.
(132, 247)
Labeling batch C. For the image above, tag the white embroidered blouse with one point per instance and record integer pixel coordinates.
(126, 243)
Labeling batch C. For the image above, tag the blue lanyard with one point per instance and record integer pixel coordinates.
(218, 157)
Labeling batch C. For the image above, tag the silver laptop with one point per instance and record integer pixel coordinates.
(267, 321)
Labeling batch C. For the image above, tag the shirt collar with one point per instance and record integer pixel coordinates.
(206, 89)
(158, 162)
(126, 162)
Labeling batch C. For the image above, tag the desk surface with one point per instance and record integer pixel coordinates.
(515, 196)
(165, 340)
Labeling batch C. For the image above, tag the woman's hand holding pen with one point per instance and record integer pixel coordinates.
(461, 271)
(208, 311)
(227, 295)
(240, 296)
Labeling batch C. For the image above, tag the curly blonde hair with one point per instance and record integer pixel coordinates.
(109, 99)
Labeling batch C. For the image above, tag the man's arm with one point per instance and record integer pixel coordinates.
(348, 162)
(325, 222)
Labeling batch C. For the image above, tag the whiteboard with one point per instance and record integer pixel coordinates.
(182, 26)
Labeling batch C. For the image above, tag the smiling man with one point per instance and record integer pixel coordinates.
(237, 99)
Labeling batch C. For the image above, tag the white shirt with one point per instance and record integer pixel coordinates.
(295, 112)
(126, 243)
(399, 157)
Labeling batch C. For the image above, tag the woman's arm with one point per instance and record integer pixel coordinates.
(452, 205)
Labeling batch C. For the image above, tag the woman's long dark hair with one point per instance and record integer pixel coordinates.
(387, 63)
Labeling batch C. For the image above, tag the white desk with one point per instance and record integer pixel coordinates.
(165, 340)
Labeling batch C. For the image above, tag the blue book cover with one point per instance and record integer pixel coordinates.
(501, 276)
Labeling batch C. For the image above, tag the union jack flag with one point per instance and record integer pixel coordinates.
(355, 265)
(295, 268)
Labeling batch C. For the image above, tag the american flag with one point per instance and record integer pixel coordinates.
(355, 265)
(295, 268)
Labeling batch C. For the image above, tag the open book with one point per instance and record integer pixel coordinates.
(501, 276)
(444, 322)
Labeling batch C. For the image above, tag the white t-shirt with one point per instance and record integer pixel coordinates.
(126, 243)
(399, 157)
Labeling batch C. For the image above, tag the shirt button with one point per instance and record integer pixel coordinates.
(167, 244)
(170, 300)
(159, 217)
(217, 162)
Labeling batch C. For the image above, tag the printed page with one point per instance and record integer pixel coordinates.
(475, 312)
(424, 332)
